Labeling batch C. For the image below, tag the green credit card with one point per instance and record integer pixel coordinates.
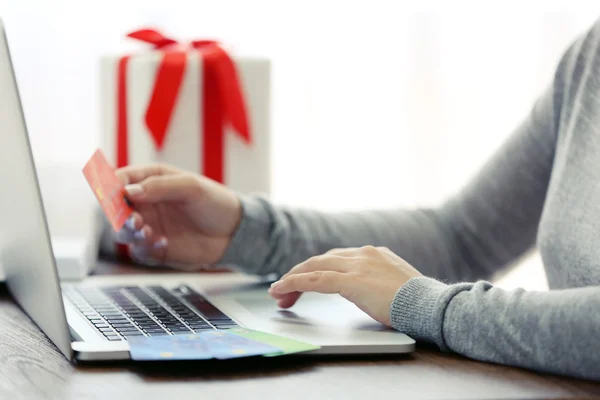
(287, 346)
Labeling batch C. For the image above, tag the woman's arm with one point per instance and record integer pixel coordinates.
(485, 226)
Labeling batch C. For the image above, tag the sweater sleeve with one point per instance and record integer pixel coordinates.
(550, 332)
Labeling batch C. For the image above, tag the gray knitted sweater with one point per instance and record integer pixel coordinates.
(540, 190)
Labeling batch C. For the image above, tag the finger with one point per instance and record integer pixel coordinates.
(135, 221)
(320, 263)
(343, 251)
(131, 174)
(127, 232)
(385, 250)
(285, 300)
(151, 254)
(144, 236)
(134, 230)
(163, 188)
(289, 300)
(317, 281)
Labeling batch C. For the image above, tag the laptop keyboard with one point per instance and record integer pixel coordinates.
(121, 312)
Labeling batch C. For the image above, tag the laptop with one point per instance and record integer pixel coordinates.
(92, 320)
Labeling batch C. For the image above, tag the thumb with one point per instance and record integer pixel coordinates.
(163, 188)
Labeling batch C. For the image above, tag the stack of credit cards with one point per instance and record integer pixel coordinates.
(217, 344)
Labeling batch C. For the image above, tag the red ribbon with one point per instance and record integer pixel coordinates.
(222, 99)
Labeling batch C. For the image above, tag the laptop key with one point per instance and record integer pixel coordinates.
(90, 313)
(126, 328)
(154, 330)
(121, 320)
(112, 314)
(137, 315)
(111, 334)
(177, 328)
(163, 333)
(146, 327)
(131, 334)
(180, 328)
(150, 327)
(173, 325)
(202, 327)
(144, 321)
(123, 325)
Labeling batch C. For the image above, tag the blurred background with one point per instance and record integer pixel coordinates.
(374, 103)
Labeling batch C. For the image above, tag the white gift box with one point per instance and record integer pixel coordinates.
(246, 166)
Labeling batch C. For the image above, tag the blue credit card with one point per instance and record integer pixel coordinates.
(225, 345)
(202, 346)
(184, 347)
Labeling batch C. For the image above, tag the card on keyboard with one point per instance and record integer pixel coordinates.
(202, 346)
(287, 346)
(108, 190)
(184, 347)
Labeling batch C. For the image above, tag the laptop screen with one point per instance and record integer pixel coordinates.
(25, 249)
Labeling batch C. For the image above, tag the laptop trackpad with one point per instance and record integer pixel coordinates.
(311, 310)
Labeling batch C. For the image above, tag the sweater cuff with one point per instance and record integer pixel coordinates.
(249, 245)
(418, 309)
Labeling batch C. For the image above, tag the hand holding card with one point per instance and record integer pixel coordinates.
(108, 190)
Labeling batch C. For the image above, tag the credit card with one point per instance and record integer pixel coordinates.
(287, 346)
(225, 345)
(108, 190)
(201, 346)
(180, 347)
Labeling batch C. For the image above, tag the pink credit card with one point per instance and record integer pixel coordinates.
(108, 190)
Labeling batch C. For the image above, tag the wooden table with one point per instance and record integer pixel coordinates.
(31, 368)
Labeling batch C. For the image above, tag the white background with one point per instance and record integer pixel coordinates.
(375, 103)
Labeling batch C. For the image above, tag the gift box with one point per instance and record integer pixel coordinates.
(192, 105)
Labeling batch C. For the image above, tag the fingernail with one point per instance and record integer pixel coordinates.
(161, 243)
(130, 223)
(139, 235)
(275, 284)
(134, 190)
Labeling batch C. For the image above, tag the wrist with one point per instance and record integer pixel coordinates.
(249, 236)
(418, 308)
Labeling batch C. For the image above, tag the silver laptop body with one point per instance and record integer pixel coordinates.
(92, 319)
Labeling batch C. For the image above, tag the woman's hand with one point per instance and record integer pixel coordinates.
(368, 276)
(181, 219)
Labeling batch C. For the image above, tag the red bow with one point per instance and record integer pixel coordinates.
(222, 100)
